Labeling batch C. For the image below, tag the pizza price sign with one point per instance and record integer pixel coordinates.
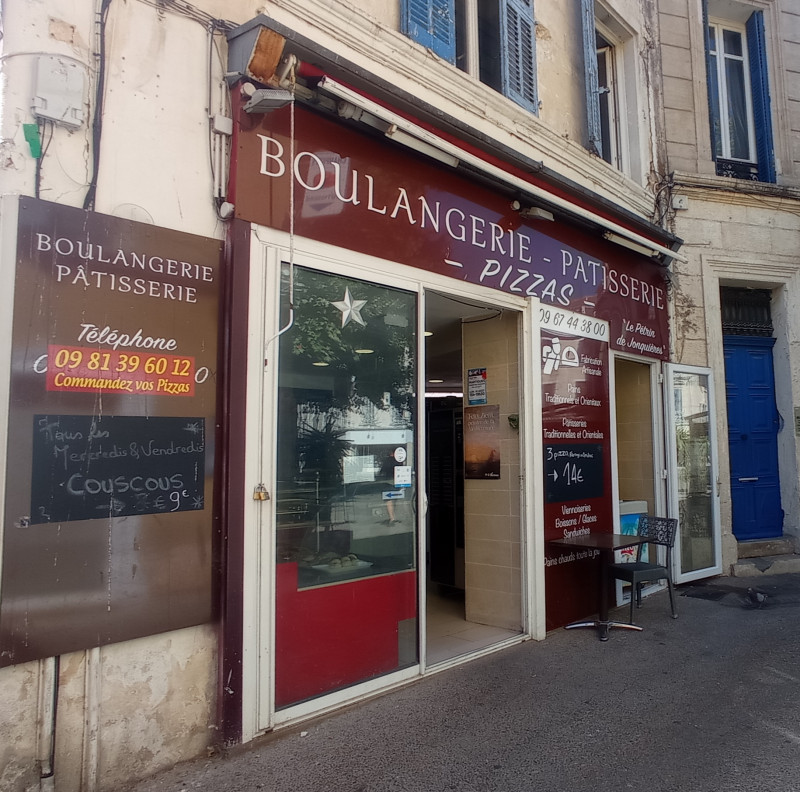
(83, 369)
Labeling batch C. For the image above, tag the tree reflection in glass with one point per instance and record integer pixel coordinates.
(346, 405)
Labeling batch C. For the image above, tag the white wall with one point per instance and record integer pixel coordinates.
(123, 712)
(126, 710)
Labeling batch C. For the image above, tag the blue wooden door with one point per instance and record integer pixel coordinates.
(753, 425)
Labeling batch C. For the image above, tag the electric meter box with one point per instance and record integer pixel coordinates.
(60, 89)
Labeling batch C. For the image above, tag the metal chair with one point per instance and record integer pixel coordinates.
(659, 531)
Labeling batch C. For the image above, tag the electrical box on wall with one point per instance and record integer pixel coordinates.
(60, 87)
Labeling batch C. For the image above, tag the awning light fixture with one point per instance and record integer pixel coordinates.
(532, 212)
(630, 244)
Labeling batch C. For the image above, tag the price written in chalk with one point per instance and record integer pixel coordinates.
(573, 471)
(571, 323)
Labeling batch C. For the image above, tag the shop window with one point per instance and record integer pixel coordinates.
(346, 413)
(345, 518)
(738, 96)
(492, 40)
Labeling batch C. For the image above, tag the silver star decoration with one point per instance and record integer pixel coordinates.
(351, 309)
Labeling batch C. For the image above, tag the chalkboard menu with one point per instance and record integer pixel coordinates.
(89, 467)
(573, 471)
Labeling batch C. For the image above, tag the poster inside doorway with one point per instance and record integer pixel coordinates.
(482, 442)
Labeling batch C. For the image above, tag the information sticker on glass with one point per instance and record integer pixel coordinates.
(402, 476)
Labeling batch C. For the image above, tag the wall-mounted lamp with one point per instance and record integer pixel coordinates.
(617, 239)
(532, 212)
(265, 100)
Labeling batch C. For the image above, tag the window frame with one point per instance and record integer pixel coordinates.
(615, 146)
(720, 82)
(516, 40)
(610, 96)
(763, 166)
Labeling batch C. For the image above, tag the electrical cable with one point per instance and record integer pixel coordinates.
(45, 145)
(97, 121)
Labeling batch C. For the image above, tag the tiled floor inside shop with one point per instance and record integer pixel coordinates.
(450, 634)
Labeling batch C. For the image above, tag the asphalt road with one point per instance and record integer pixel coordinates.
(710, 701)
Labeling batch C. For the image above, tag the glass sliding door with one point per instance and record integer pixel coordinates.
(346, 526)
(693, 458)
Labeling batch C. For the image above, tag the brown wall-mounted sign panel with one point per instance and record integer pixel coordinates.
(109, 512)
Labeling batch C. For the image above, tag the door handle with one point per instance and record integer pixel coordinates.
(749, 478)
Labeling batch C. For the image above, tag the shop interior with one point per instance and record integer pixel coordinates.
(635, 451)
(462, 616)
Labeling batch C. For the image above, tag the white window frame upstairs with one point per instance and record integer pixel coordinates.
(621, 148)
(614, 143)
(719, 26)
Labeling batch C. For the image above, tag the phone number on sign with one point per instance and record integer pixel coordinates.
(84, 369)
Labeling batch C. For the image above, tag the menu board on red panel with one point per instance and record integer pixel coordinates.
(108, 531)
(577, 455)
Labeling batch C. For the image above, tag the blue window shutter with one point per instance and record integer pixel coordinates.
(759, 83)
(592, 85)
(518, 37)
(432, 24)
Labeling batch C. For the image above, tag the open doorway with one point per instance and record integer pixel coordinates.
(473, 525)
(636, 453)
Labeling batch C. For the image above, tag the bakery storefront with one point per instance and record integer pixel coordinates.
(433, 353)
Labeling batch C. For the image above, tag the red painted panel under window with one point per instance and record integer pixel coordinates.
(330, 637)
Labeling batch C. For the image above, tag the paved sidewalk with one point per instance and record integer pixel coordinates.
(710, 701)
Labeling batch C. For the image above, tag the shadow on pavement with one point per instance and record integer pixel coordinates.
(754, 594)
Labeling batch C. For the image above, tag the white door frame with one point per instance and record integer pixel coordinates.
(657, 427)
(672, 460)
(268, 248)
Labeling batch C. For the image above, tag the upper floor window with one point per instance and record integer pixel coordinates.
(607, 133)
(607, 46)
(738, 97)
(493, 40)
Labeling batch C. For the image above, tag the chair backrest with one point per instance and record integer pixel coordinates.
(658, 530)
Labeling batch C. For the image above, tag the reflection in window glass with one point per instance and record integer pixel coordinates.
(346, 585)
(346, 431)
(729, 94)
(695, 480)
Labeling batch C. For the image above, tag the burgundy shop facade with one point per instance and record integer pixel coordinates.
(347, 250)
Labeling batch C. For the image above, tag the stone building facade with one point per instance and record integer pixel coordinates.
(321, 317)
(732, 142)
